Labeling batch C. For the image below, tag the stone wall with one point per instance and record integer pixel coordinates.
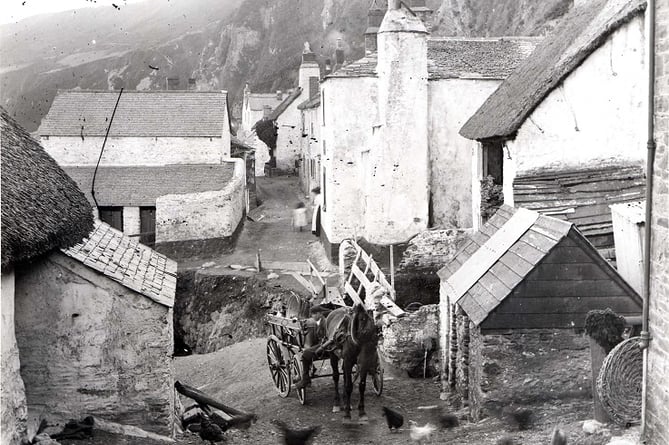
(132, 151)
(202, 216)
(520, 367)
(412, 341)
(657, 396)
(12, 392)
(90, 346)
(289, 134)
(581, 122)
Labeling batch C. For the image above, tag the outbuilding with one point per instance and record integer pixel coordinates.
(513, 304)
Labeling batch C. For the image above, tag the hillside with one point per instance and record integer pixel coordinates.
(222, 44)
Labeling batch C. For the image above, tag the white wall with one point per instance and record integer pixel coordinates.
(596, 117)
(199, 216)
(70, 151)
(350, 106)
(131, 221)
(12, 392)
(262, 152)
(289, 135)
(311, 148)
(451, 104)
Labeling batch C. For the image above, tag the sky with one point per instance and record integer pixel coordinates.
(15, 10)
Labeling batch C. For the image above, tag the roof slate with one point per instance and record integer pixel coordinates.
(139, 114)
(580, 32)
(128, 262)
(140, 186)
(42, 208)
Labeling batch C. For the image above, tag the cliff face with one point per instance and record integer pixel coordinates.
(222, 45)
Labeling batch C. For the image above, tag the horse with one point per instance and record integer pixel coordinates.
(355, 339)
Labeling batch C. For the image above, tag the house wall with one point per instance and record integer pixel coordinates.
(131, 221)
(12, 391)
(289, 133)
(519, 367)
(581, 122)
(212, 215)
(311, 149)
(90, 346)
(451, 103)
(657, 394)
(349, 106)
(262, 152)
(72, 150)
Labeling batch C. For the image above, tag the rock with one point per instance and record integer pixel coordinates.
(208, 264)
(621, 441)
(592, 426)
(272, 276)
(236, 267)
(44, 439)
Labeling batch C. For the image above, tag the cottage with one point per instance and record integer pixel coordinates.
(256, 106)
(165, 176)
(565, 133)
(511, 302)
(409, 92)
(63, 279)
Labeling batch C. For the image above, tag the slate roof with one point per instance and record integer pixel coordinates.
(498, 257)
(458, 57)
(126, 261)
(278, 111)
(580, 32)
(42, 208)
(258, 101)
(140, 186)
(139, 114)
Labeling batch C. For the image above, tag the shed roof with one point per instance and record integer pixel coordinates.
(141, 186)
(139, 114)
(513, 244)
(42, 208)
(278, 111)
(128, 262)
(579, 34)
(459, 57)
(314, 102)
(258, 101)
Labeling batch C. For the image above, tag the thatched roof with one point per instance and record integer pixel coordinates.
(42, 208)
(578, 35)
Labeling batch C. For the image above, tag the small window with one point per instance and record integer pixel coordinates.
(112, 216)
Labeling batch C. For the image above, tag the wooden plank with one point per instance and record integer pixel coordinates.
(560, 305)
(569, 272)
(353, 294)
(535, 321)
(567, 255)
(391, 306)
(484, 258)
(531, 288)
(318, 274)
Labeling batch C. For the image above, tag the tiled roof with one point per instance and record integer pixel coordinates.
(455, 57)
(314, 102)
(278, 111)
(497, 259)
(42, 208)
(578, 35)
(139, 114)
(128, 262)
(258, 101)
(477, 58)
(140, 186)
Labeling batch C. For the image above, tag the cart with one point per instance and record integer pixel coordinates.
(285, 344)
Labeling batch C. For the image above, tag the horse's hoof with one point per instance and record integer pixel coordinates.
(336, 409)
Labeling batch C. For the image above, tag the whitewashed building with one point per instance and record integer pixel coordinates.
(165, 174)
(256, 106)
(565, 133)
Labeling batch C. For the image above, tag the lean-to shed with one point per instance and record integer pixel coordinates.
(526, 280)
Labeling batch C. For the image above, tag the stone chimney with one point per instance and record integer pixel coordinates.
(308, 68)
(339, 54)
(374, 19)
(423, 12)
(314, 83)
(397, 195)
(266, 110)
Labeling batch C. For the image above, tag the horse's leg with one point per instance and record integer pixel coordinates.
(334, 363)
(348, 386)
(362, 373)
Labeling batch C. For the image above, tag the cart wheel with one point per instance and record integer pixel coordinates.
(278, 367)
(377, 379)
(296, 373)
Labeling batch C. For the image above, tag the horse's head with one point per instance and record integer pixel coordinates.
(363, 328)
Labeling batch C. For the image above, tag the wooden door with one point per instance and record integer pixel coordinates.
(147, 225)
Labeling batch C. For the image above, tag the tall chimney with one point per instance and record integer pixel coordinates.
(397, 195)
(339, 54)
(308, 68)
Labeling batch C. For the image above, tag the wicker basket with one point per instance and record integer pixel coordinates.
(619, 382)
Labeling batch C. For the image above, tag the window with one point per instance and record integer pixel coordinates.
(112, 216)
(147, 225)
(493, 161)
(492, 180)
